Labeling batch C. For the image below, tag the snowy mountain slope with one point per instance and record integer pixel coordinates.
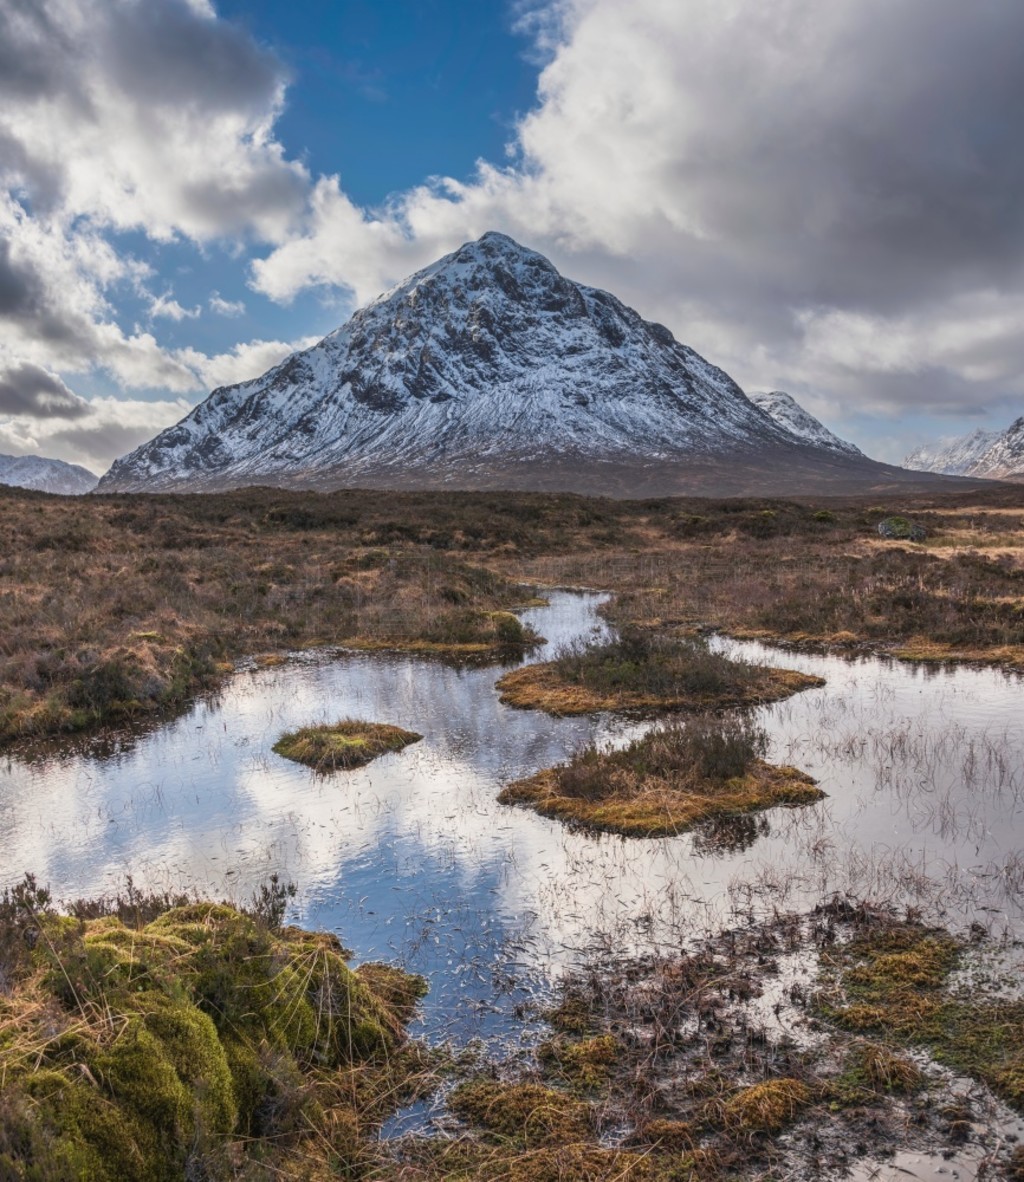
(790, 415)
(993, 455)
(487, 369)
(43, 475)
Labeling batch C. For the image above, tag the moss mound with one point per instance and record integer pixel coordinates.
(345, 744)
(665, 782)
(190, 1045)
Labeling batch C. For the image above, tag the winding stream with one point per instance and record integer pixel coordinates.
(411, 859)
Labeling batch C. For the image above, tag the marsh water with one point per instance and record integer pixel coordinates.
(412, 860)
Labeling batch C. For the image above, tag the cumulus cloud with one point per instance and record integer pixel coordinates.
(797, 189)
(140, 115)
(247, 360)
(167, 306)
(105, 429)
(223, 307)
(819, 197)
(145, 114)
(27, 389)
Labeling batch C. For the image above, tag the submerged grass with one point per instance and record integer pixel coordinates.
(894, 981)
(666, 782)
(346, 744)
(203, 1043)
(640, 670)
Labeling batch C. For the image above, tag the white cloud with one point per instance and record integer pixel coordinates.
(168, 307)
(148, 115)
(108, 428)
(223, 307)
(823, 198)
(796, 189)
(245, 361)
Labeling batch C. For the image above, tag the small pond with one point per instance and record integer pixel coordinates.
(412, 860)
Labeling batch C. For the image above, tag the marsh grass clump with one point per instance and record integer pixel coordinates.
(584, 1063)
(642, 670)
(872, 1067)
(765, 1107)
(639, 662)
(666, 782)
(531, 1112)
(341, 745)
(190, 1045)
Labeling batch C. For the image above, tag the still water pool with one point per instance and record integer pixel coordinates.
(412, 860)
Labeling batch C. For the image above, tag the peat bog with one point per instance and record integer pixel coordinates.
(766, 992)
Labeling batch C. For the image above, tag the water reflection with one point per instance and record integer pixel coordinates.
(412, 859)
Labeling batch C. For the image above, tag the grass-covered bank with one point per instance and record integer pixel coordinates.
(640, 670)
(666, 782)
(346, 744)
(115, 606)
(145, 1038)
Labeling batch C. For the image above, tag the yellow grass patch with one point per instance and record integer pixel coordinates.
(658, 808)
(346, 744)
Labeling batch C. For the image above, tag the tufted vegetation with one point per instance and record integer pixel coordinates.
(190, 1044)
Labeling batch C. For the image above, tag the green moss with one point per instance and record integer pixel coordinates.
(158, 1046)
(586, 1063)
(764, 1107)
(895, 982)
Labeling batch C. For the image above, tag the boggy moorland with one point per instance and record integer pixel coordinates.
(111, 606)
(797, 1039)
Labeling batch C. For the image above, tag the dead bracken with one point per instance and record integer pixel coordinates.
(643, 671)
(346, 744)
(666, 782)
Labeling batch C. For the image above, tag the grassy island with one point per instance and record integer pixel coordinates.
(666, 782)
(346, 744)
(153, 1041)
(645, 671)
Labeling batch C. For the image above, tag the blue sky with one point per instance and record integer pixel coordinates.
(818, 198)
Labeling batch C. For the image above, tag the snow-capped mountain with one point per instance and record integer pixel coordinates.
(993, 455)
(487, 369)
(43, 475)
(788, 413)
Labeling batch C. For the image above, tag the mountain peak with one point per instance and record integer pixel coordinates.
(993, 455)
(487, 368)
(788, 413)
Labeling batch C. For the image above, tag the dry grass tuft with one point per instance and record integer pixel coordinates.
(765, 1107)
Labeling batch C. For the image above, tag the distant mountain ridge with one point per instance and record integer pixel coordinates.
(789, 414)
(991, 455)
(489, 369)
(46, 475)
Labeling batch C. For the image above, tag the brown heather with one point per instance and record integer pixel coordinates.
(114, 606)
(666, 782)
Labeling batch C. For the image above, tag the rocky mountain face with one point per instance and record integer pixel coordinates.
(43, 475)
(789, 414)
(992, 455)
(489, 369)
